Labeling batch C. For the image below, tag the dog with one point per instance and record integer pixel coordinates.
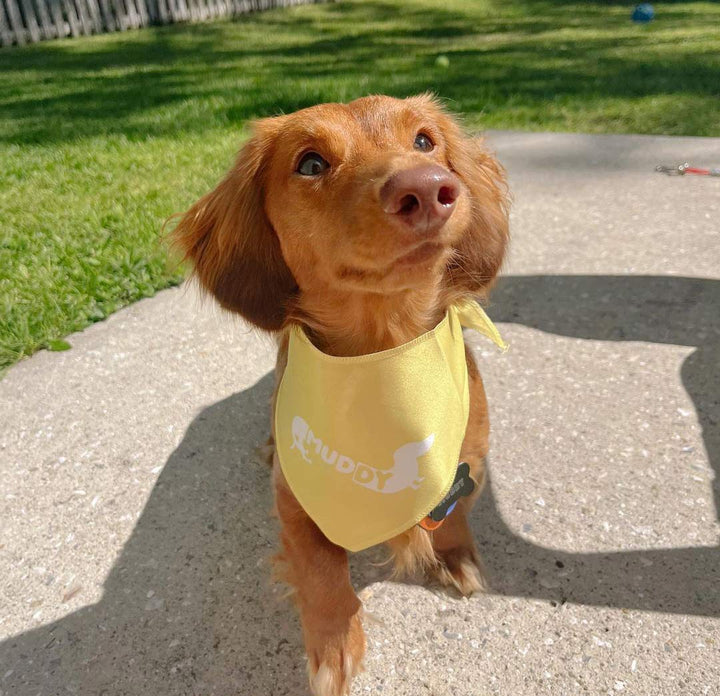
(361, 223)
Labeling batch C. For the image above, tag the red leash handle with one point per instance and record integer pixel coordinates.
(707, 172)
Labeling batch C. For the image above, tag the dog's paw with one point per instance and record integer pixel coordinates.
(460, 567)
(334, 660)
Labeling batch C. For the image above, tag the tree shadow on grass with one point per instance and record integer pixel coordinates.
(187, 607)
(220, 74)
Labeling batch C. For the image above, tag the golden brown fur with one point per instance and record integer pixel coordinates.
(280, 248)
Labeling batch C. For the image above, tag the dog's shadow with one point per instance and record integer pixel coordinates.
(188, 608)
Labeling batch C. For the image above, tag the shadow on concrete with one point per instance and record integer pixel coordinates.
(654, 309)
(188, 607)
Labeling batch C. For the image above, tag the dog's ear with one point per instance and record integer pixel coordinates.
(229, 240)
(480, 252)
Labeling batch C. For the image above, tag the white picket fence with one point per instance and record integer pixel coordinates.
(27, 21)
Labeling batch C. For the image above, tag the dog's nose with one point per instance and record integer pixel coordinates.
(423, 197)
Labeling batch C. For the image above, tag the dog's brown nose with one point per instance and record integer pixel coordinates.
(423, 197)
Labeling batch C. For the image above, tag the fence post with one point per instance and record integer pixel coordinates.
(84, 16)
(5, 34)
(94, 10)
(108, 19)
(16, 22)
(30, 20)
(47, 28)
(144, 19)
(61, 27)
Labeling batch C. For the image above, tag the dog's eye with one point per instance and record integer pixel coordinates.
(423, 143)
(312, 164)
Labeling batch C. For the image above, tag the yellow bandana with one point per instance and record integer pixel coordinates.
(369, 445)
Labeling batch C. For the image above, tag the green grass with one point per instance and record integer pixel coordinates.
(102, 138)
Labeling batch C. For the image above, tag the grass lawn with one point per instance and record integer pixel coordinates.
(102, 138)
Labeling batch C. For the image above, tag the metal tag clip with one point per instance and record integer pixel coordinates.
(685, 168)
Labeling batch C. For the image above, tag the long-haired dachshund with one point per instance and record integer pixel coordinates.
(360, 224)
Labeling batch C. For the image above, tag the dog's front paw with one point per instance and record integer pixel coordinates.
(335, 658)
(460, 567)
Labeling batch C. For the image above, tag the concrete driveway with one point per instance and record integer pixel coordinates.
(135, 536)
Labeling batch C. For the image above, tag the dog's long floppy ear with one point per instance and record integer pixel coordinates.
(480, 252)
(229, 240)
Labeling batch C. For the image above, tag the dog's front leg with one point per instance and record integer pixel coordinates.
(460, 563)
(330, 612)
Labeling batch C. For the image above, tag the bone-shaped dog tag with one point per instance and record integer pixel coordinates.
(462, 485)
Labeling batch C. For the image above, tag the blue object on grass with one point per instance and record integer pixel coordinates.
(643, 13)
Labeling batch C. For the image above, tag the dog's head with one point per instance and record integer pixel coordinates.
(377, 196)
